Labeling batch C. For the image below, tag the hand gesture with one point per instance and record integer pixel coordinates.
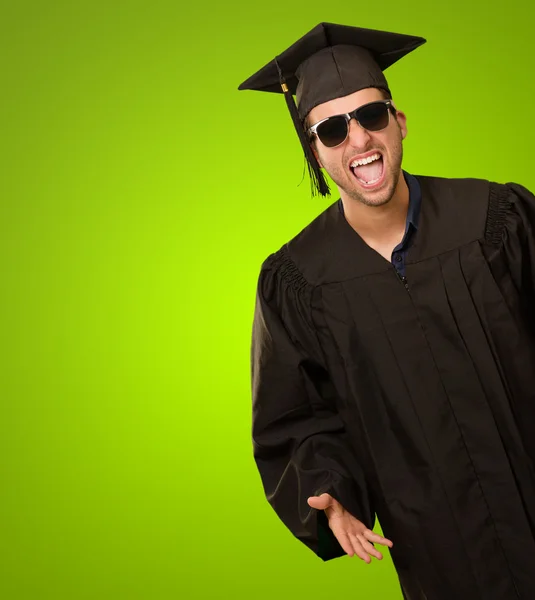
(352, 534)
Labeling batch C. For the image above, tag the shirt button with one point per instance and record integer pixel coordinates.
(398, 257)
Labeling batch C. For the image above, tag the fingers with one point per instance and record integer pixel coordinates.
(359, 544)
(346, 543)
(376, 539)
(320, 502)
(363, 548)
(369, 548)
(356, 544)
(359, 550)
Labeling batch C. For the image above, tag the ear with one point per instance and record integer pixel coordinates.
(401, 118)
(313, 146)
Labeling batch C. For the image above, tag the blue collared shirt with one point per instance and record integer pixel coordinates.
(399, 254)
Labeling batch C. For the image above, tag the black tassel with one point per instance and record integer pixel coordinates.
(318, 183)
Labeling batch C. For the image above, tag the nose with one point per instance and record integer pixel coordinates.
(357, 135)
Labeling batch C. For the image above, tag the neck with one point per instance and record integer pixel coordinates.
(383, 223)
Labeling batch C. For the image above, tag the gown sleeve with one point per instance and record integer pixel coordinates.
(513, 215)
(299, 442)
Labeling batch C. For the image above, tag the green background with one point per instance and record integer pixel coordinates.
(140, 192)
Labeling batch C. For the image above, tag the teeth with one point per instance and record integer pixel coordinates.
(365, 161)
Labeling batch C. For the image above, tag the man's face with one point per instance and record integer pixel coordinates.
(355, 182)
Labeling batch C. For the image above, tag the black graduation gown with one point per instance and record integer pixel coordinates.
(416, 405)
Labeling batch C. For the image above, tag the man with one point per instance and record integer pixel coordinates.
(393, 356)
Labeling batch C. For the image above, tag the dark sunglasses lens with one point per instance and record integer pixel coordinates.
(373, 117)
(333, 131)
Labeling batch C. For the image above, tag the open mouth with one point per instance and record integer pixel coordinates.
(369, 171)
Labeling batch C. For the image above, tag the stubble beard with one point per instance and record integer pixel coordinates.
(373, 198)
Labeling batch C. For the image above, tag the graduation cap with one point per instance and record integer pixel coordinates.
(329, 62)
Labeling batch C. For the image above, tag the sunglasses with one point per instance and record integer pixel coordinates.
(334, 130)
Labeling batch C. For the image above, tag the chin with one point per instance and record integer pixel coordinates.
(376, 197)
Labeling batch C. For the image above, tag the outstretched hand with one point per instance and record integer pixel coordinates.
(352, 534)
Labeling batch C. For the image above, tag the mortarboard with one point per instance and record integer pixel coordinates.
(328, 62)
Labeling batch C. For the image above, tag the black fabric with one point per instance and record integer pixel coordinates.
(333, 60)
(416, 406)
(334, 72)
(299, 441)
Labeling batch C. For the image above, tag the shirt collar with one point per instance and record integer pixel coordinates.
(415, 200)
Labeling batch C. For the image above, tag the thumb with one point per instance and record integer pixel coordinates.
(320, 502)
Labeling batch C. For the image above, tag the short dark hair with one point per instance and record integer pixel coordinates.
(386, 95)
